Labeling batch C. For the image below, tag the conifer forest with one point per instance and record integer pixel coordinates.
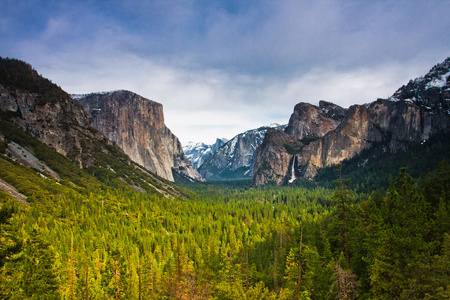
(90, 236)
(224, 150)
(111, 230)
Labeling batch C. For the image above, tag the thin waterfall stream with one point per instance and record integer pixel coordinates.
(293, 178)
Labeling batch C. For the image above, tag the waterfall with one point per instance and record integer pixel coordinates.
(293, 178)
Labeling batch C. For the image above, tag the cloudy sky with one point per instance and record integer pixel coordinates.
(222, 67)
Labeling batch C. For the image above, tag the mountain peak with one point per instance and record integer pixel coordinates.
(198, 152)
(236, 158)
(431, 91)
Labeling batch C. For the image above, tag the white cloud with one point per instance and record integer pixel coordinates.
(201, 105)
(222, 70)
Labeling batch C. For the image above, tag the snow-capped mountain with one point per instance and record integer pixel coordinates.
(431, 91)
(198, 152)
(235, 159)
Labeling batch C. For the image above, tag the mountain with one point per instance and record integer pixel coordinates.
(308, 123)
(43, 128)
(80, 220)
(45, 111)
(235, 159)
(312, 122)
(198, 152)
(415, 112)
(431, 91)
(136, 125)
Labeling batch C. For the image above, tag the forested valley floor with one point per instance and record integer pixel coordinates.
(90, 240)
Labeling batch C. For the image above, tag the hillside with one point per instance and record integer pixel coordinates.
(41, 119)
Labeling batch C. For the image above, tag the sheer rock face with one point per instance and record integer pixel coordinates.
(326, 135)
(137, 126)
(273, 157)
(398, 124)
(61, 124)
(310, 121)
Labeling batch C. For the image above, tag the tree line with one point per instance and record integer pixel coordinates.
(224, 242)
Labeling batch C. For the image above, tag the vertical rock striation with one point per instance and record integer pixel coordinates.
(307, 124)
(323, 136)
(312, 122)
(136, 125)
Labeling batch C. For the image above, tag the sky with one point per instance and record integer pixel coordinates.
(223, 67)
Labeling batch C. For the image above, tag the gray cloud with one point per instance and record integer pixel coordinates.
(222, 67)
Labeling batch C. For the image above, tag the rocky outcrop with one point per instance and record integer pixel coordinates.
(136, 125)
(45, 111)
(312, 122)
(274, 157)
(431, 91)
(237, 157)
(412, 115)
(52, 118)
(397, 125)
(277, 160)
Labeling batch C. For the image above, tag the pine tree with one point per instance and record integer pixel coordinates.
(40, 277)
(11, 255)
(344, 216)
(401, 250)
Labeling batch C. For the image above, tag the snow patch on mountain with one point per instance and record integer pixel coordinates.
(438, 82)
(431, 91)
(236, 158)
(197, 152)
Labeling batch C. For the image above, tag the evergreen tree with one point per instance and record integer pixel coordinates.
(344, 217)
(401, 250)
(40, 276)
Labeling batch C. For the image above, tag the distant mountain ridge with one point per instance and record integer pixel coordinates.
(236, 158)
(412, 115)
(198, 152)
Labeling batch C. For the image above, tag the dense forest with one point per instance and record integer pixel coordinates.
(91, 238)
(369, 230)
(372, 169)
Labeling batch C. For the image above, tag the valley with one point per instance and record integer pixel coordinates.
(98, 199)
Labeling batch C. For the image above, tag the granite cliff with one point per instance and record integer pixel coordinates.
(42, 127)
(276, 160)
(136, 125)
(312, 122)
(412, 115)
